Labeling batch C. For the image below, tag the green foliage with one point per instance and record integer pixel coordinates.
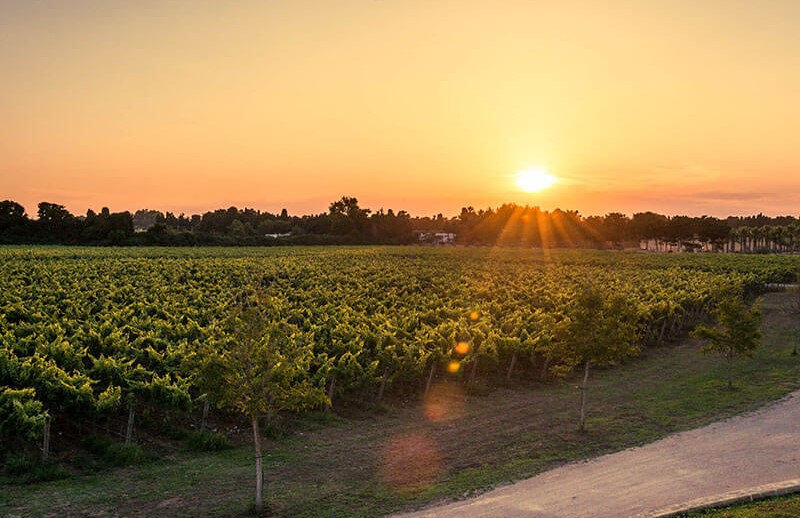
(600, 329)
(21, 415)
(91, 330)
(737, 330)
(266, 362)
(109, 399)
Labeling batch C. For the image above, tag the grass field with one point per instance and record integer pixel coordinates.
(447, 447)
(781, 507)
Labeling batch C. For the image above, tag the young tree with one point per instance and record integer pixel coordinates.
(265, 369)
(736, 332)
(600, 329)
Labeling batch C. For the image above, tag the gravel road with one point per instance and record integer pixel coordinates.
(747, 453)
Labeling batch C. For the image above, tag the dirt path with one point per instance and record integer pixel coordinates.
(734, 455)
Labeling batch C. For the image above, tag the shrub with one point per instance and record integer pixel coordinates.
(24, 470)
(115, 453)
(120, 454)
(207, 441)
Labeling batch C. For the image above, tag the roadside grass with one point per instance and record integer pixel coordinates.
(451, 446)
(778, 507)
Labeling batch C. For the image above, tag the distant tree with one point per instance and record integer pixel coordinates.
(317, 224)
(217, 222)
(346, 206)
(13, 221)
(615, 228)
(238, 230)
(736, 332)
(171, 221)
(600, 329)
(713, 231)
(593, 229)
(106, 228)
(274, 226)
(52, 213)
(183, 223)
(55, 223)
(793, 229)
(747, 239)
(265, 367)
(566, 228)
(388, 227)
(649, 225)
(146, 218)
(680, 229)
(11, 213)
(158, 234)
(348, 218)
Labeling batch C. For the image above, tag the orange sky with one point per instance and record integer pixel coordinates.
(673, 106)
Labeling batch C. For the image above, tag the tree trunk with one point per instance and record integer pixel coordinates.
(730, 370)
(474, 371)
(582, 426)
(46, 442)
(259, 465)
(331, 390)
(545, 366)
(663, 330)
(430, 379)
(675, 327)
(511, 366)
(383, 386)
(204, 421)
(131, 415)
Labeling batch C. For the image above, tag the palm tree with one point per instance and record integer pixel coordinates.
(747, 239)
(794, 232)
(734, 237)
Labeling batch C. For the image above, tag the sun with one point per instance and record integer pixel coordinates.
(534, 180)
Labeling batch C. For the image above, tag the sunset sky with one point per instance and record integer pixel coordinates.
(675, 106)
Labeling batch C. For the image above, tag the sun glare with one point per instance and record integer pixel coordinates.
(534, 180)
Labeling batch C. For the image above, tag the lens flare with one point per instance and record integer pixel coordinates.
(410, 463)
(444, 402)
(462, 348)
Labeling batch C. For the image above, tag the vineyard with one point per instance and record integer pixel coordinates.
(93, 336)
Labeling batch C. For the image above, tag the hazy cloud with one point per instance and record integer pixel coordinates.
(734, 196)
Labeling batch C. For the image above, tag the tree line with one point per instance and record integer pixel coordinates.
(346, 222)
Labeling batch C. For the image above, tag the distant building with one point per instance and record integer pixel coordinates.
(444, 238)
(437, 238)
(275, 236)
